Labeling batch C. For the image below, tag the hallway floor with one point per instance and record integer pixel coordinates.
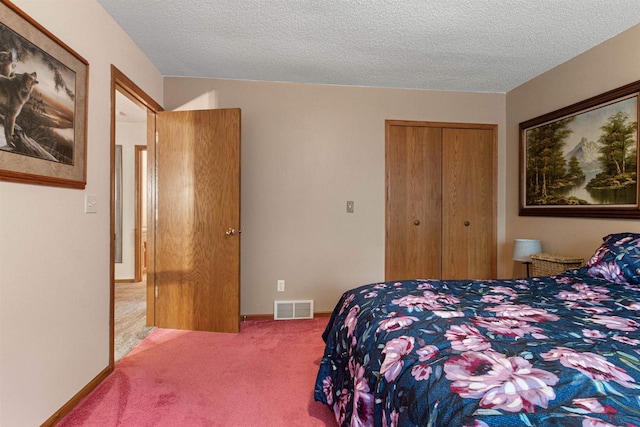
(130, 316)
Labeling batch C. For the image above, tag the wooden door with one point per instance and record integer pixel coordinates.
(468, 208)
(414, 204)
(197, 253)
(440, 206)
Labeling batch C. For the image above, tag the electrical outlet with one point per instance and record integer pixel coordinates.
(280, 285)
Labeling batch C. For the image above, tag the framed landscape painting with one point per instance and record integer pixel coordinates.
(582, 160)
(43, 104)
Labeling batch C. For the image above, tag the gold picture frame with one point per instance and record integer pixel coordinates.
(582, 160)
(43, 104)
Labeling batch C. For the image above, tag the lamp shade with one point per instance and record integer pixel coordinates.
(523, 248)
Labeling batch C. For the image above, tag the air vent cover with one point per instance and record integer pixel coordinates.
(286, 310)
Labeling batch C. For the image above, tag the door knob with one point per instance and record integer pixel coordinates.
(416, 222)
(467, 223)
(230, 232)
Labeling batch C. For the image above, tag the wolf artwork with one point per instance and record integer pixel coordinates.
(14, 93)
(7, 64)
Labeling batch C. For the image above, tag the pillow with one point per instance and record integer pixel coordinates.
(617, 259)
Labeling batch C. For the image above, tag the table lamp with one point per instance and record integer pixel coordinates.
(523, 249)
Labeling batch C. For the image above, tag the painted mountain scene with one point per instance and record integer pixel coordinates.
(586, 159)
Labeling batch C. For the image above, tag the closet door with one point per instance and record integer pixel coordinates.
(440, 205)
(414, 203)
(468, 207)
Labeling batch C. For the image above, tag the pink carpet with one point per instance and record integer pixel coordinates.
(263, 376)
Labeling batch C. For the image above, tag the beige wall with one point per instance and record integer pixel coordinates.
(306, 150)
(610, 65)
(54, 259)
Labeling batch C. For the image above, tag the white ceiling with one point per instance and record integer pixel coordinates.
(453, 45)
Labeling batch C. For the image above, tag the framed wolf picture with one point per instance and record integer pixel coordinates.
(582, 160)
(43, 104)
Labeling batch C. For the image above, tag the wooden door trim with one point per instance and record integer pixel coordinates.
(445, 125)
(121, 83)
(138, 253)
(494, 231)
(450, 125)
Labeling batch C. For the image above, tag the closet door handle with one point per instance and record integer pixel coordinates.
(416, 222)
(230, 232)
(467, 223)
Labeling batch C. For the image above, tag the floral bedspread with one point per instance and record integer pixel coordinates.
(553, 351)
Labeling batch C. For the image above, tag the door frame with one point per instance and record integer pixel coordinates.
(121, 83)
(139, 253)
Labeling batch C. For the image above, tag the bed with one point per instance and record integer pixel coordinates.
(548, 351)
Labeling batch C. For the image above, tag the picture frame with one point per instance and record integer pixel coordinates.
(582, 160)
(43, 95)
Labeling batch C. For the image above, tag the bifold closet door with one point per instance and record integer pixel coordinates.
(468, 216)
(414, 203)
(440, 205)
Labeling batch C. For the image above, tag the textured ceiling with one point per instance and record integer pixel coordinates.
(453, 45)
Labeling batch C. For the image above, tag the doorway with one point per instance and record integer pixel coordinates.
(133, 116)
(215, 305)
(130, 306)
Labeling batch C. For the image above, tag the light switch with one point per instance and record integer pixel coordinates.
(90, 203)
(350, 206)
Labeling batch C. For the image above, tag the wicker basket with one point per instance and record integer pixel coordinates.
(550, 264)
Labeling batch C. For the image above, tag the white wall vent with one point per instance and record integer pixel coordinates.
(285, 310)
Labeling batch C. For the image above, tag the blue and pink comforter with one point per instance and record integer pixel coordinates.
(553, 351)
